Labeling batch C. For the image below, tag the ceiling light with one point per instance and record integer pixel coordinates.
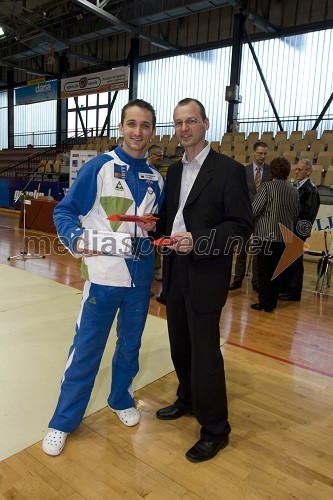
(1, 31)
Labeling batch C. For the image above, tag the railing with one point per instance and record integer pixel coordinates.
(289, 123)
(261, 124)
(24, 168)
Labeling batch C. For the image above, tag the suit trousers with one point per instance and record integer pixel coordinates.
(293, 278)
(240, 267)
(267, 262)
(196, 354)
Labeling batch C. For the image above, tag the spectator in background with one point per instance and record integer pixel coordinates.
(257, 172)
(277, 202)
(155, 156)
(309, 206)
(62, 157)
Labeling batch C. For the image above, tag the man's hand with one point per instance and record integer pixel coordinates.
(184, 243)
(147, 226)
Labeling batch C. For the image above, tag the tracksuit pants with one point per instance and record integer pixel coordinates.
(98, 309)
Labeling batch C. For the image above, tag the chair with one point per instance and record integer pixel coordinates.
(316, 175)
(325, 158)
(215, 145)
(171, 148)
(327, 135)
(320, 248)
(291, 156)
(239, 148)
(253, 137)
(284, 146)
(226, 138)
(267, 137)
(155, 139)
(300, 146)
(310, 136)
(328, 180)
(318, 145)
(241, 158)
(295, 136)
(239, 137)
(305, 155)
(281, 135)
(226, 147)
(56, 166)
(49, 166)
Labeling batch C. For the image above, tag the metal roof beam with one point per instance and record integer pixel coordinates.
(125, 26)
(31, 71)
(261, 23)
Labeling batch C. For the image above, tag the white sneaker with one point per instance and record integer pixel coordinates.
(54, 442)
(129, 417)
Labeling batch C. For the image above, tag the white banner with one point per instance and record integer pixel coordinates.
(77, 159)
(94, 83)
(324, 219)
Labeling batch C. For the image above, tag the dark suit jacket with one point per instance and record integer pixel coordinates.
(309, 205)
(217, 209)
(266, 176)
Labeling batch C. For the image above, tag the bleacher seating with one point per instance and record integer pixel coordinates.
(299, 145)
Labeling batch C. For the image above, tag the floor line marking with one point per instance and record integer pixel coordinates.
(288, 362)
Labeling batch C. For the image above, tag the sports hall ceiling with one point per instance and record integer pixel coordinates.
(96, 34)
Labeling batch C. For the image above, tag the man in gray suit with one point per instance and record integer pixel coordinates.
(257, 172)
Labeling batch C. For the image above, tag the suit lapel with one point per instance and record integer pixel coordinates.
(250, 177)
(203, 177)
(177, 183)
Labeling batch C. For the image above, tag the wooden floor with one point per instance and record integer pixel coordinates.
(279, 371)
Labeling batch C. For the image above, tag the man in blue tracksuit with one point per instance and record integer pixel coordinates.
(119, 182)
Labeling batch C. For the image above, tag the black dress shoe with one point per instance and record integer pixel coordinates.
(161, 299)
(259, 307)
(289, 298)
(204, 450)
(235, 285)
(172, 412)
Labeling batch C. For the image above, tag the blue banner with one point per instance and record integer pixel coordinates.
(46, 91)
(10, 190)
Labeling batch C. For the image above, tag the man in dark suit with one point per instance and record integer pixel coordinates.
(207, 206)
(309, 206)
(257, 172)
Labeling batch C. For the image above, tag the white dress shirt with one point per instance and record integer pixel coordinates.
(190, 172)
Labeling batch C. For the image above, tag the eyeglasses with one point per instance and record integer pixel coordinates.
(190, 122)
(300, 169)
(264, 153)
(158, 156)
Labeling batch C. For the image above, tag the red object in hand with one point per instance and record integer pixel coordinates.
(166, 241)
(132, 218)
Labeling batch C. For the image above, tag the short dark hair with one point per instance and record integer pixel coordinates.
(259, 144)
(140, 103)
(188, 100)
(280, 168)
